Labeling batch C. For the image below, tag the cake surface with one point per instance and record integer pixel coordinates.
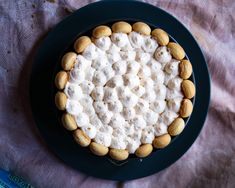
(125, 90)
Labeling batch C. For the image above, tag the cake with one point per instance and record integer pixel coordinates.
(124, 90)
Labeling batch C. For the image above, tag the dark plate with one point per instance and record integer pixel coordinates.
(47, 63)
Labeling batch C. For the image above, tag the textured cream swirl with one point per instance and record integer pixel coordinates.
(124, 90)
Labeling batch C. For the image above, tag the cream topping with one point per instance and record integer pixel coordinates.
(172, 67)
(136, 40)
(90, 130)
(162, 55)
(160, 128)
(82, 119)
(133, 67)
(103, 43)
(103, 138)
(90, 53)
(124, 90)
(73, 107)
(149, 45)
(73, 91)
(174, 104)
(147, 135)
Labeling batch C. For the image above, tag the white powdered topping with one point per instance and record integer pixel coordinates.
(132, 144)
(110, 94)
(115, 106)
(87, 87)
(149, 45)
(105, 117)
(90, 130)
(151, 117)
(108, 72)
(168, 117)
(113, 53)
(147, 135)
(128, 113)
(106, 129)
(174, 104)
(171, 94)
(100, 62)
(160, 91)
(90, 53)
(73, 91)
(154, 65)
(138, 90)
(172, 67)
(131, 80)
(82, 119)
(144, 72)
(160, 128)
(136, 40)
(99, 78)
(103, 43)
(117, 120)
(98, 93)
(133, 67)
(119, 67)
(118, 142)
(89, 74)
(124, 90)
(138, 122)
(103, 138)
(77, 75)
(73, 107)
(158, 76)
(142, 107)
(142, 57)
(158, 106)
(128, 55)
(95, 121)
(100, 107)
(116, 81)
(120, 39)
(174, 83)
(82, 63)
(162, 55)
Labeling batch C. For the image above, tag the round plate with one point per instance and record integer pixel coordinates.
(42, 93)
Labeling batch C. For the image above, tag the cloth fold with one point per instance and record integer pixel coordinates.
(210, 162)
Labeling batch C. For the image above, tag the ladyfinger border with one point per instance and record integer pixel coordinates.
(185, 72)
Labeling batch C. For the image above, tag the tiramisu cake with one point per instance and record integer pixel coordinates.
(124, 90)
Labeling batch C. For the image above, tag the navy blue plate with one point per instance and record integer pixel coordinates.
(47, 63)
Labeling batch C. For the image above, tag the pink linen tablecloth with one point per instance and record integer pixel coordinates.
(210, 162)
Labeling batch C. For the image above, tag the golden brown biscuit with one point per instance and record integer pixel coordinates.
(176, 127)
(61, 79)
(144, 150)
(161, 36)
(68, 60)
(81, 138)
(185, 69)
(98, 149)
(101, 31)
(60, 100)
(188, 88)
(121, 27)
(69, 122)
(81, 43)
(142, 28)
(176, 50)
(118, 154)
(161, 141)
(186, 108)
